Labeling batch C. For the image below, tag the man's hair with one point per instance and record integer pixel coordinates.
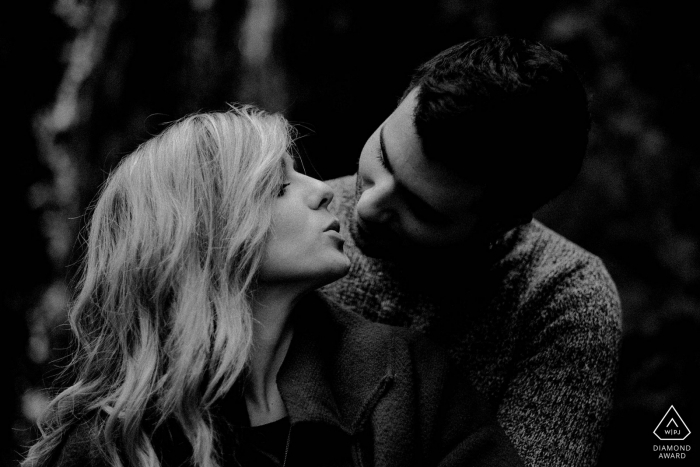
(506, 113)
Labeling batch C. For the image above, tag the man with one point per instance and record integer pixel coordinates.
(442, 240)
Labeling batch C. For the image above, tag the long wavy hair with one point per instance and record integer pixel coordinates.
(162, 315)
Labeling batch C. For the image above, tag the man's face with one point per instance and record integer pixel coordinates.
(407, 203)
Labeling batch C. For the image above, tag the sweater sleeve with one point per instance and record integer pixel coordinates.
(558, 400)
(460, 425)
(468, 431)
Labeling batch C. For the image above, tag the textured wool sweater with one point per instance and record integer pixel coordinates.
(534, 321)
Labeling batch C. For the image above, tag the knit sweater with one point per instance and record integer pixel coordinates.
(536, 326)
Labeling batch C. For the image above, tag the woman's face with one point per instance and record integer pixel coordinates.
(305, 247)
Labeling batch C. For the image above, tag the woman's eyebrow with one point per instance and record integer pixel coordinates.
(289, 162)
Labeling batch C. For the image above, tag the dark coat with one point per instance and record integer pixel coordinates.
(361, 394)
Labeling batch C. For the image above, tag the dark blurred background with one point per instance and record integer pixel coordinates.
(84, 82)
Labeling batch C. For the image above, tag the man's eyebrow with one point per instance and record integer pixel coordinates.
(382, 150)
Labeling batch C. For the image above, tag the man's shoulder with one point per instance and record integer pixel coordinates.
(549, 245)
(548, 255)
(558, 275)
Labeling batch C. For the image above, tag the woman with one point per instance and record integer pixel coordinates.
(200, 344)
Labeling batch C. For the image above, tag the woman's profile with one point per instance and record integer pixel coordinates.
(200, 339)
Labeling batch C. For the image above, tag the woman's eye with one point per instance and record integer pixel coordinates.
(283, 189)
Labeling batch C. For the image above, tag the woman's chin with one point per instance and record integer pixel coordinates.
(338, 270)
(339, 273)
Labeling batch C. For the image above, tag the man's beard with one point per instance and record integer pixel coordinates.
(379, 242)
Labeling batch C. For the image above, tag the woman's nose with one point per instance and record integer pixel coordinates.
(374, 204)
(326, 195)
(322, 194)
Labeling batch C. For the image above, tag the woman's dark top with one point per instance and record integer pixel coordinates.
(264, 445)
(357, 394)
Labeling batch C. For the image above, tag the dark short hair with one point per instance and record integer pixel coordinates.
(507, 113)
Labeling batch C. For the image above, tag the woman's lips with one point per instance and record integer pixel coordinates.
(333, 226)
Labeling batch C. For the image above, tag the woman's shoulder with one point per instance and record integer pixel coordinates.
(409, 350)
(80, 446)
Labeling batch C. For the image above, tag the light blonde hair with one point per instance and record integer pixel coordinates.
(162, 319)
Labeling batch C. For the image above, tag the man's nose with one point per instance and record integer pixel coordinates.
(375, 203)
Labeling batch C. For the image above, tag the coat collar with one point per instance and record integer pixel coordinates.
(338, 365)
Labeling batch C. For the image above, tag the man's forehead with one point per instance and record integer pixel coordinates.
(431, 181)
